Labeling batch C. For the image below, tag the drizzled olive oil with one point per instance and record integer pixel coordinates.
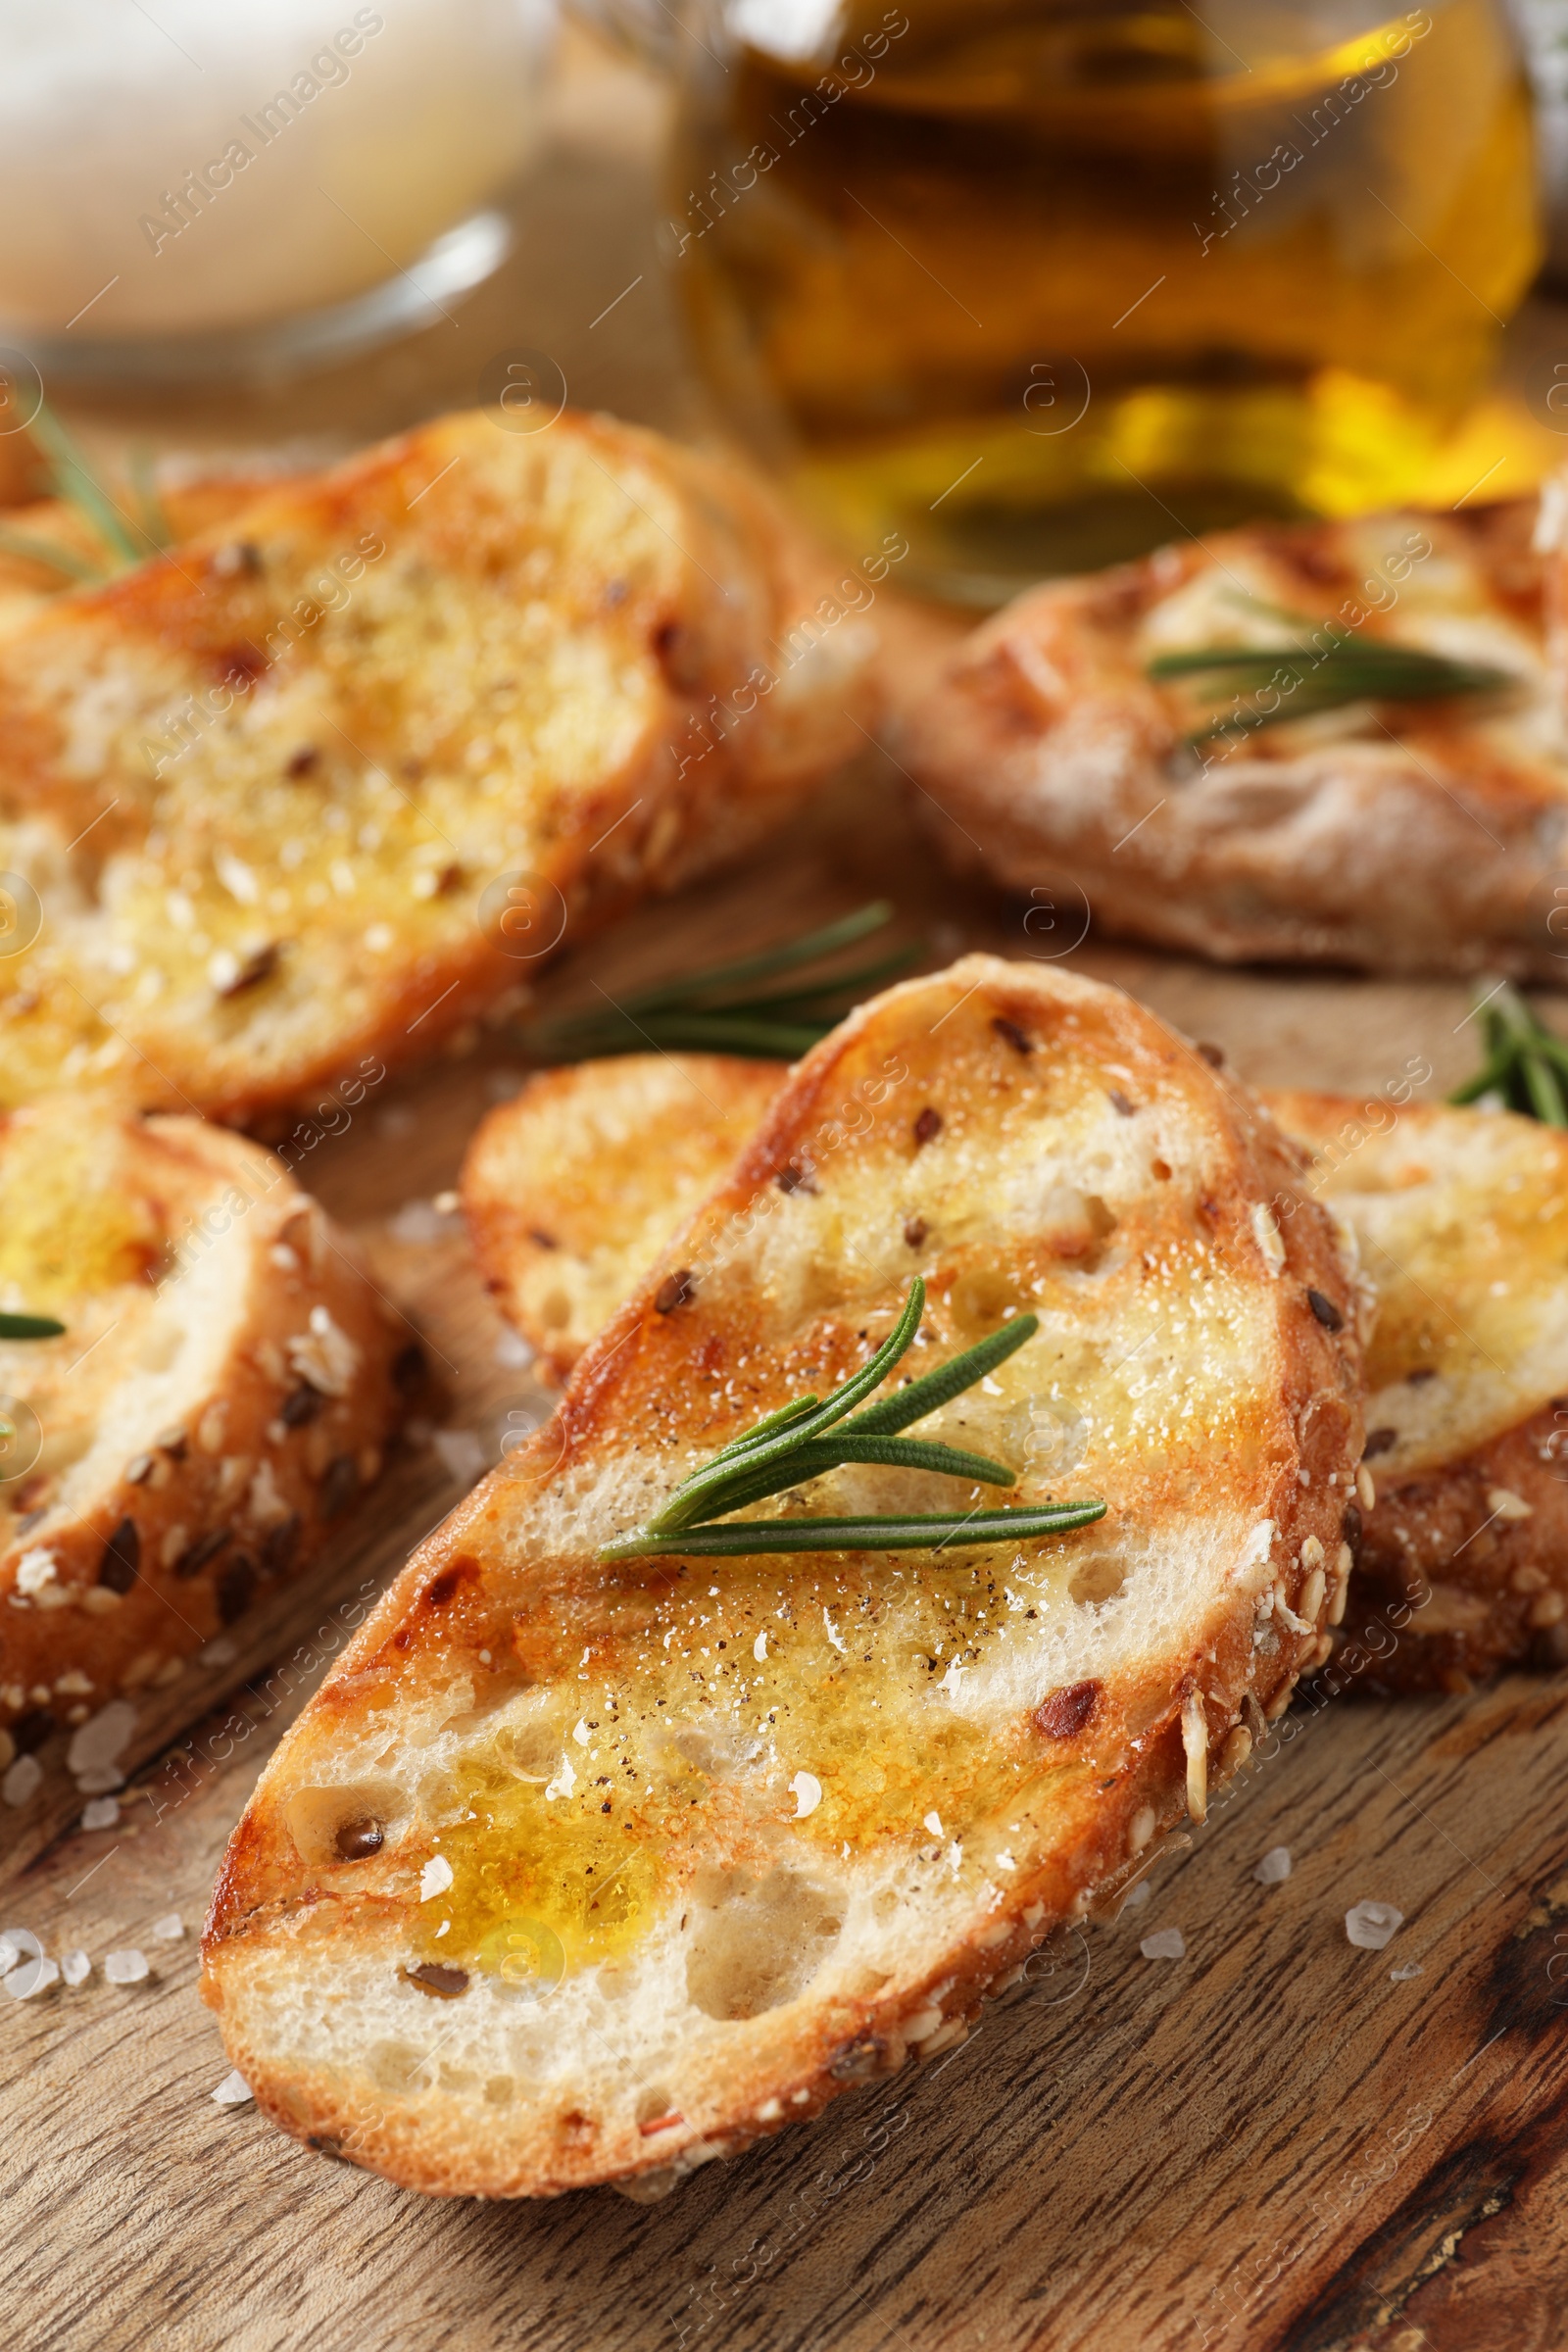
(1039, 284)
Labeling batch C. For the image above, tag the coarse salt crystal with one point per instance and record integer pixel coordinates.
(75, 1967)
(513, 1351)
(16, 1944)
(435, 1878)
(100, 1813)
(418, 1223)
(461, 1455)
(125, 1968)
(233, 2091)
(1166, 1943)
(33, 1975)
(97, 1745)
(1369, 1926)
(170, 1929)
(1139, 1895)
(933, 1822)
(1274, 1867)
(21, 1781)
(1403, 1975)
(35, 1569)
(806, 1790)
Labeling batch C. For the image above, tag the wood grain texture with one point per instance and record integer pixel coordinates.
(1270, 2143)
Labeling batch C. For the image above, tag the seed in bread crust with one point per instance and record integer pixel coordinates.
(205, 1548)
(1017, 1038)
(121, 1557)
(674, 1291)
(235, 1588)
(358, 1840)
(339, 1485)
(445, 1982)
(301, 1405)
(281, 1545)
(915, 1230)
(1067, 1710)
(928, 1125)
(1327, 1313)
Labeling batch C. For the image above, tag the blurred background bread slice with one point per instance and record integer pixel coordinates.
(337, 775)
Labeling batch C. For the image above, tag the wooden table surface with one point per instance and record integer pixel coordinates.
(1278, 2141)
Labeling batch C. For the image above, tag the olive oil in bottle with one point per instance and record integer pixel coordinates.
(1041, 284)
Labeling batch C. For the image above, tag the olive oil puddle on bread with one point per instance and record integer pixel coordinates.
(555, 1836)
(1461, 1218)
(262, 784)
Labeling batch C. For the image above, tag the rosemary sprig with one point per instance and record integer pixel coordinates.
(723, 1010)
(29, 1327)
(789, 1445)
(1526, 1062)
(1332, 667)
(126, 540)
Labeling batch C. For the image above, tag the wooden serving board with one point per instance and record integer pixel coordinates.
(1270, 2142)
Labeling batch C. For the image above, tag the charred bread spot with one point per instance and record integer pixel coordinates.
(915, 1230)
(1018, 1039)
(1065, 1712)
(441, 1589)
(927, 1126)
(409, 1366)
(1379, 1441)
(1119, 1102)
(31, 1729)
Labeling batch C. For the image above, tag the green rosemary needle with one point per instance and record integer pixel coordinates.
(29, 1327)
(724, 1009)
(792, 1445)
(1332, 667)
(1526, 1063)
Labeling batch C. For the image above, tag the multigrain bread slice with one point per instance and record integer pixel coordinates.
(222, 1394)
(572, 1873)
(1462, 1221)
(1402, 837)
(334, 777)
(1461, 1218)
(572, 1188)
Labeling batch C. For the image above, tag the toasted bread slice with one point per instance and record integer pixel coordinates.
(1462, 1220)
(1463, 1562)
(222, 1393)
(333, 778)
(572, 1189)
(573, 1873)
(1402, 837)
